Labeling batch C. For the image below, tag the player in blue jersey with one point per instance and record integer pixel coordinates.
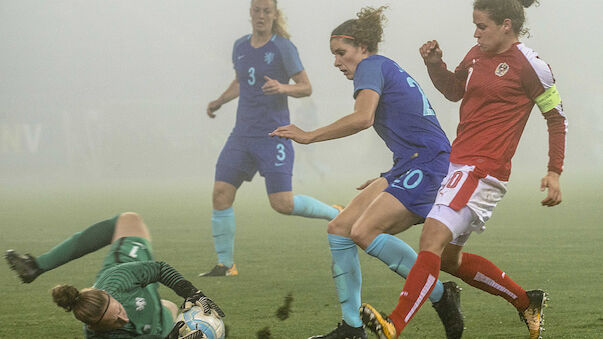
(391, 101)
(124, 301)
(264, 62)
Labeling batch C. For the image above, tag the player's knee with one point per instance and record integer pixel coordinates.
(221, 200)
(449, 264)
(131, 219)
(282, 206)
(337, 226)
(130, 224)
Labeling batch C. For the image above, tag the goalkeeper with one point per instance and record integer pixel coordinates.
(124, 301)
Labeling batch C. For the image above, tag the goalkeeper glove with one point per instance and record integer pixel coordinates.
(199, 299)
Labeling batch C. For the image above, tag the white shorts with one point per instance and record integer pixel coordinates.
(465, 201)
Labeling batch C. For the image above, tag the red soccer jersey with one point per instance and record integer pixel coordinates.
(499, 92)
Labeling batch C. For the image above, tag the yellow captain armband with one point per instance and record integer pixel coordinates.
(548, 100)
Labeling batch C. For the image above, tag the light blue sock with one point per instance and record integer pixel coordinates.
(223, 229)
(400, 257)
(306, 206)
(347, 277)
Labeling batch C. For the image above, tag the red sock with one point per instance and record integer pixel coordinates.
(479, 272)
(419, 284)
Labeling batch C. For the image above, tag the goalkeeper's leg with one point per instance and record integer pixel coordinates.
(87, 241)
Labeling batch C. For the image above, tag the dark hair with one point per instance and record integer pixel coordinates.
(87, 305)
(499, 10)
(366, 30)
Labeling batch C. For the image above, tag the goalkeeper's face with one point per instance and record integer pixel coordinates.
(114, 317)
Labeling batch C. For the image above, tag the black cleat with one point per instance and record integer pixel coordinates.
(344, 331)
(533, 316)
(449, 310)
(221, 271)
(25, 265)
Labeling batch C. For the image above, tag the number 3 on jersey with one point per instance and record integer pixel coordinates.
(280, 152)
(426, 109)
(251, 80)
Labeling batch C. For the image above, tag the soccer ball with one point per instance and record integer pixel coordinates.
(210, 324)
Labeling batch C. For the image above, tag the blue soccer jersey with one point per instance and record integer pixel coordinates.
(259, 114)
(404, 118)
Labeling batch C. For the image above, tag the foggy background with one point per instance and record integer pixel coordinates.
(115, 92)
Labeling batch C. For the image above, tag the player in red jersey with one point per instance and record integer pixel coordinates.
(499, 81)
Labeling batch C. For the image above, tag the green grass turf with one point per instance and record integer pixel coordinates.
(557, 249)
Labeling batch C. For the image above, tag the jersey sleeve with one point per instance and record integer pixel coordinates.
(450, 84)
(369, 75)
(126, 276)
(539, 85)
(235, 47)
(290, 56)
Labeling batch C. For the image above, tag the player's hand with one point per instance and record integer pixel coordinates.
(366, 184)
(199, 299)
(431, 52)
(196, 334)
(553, 195)
(294, 133)
(272, 86)
(212, 107)
(175, 330)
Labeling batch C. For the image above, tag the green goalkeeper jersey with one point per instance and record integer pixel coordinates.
(134, 285)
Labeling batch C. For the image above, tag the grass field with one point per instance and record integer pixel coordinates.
(556, 249)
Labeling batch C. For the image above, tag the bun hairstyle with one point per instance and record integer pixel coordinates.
(499, 10)
(87, 305)
(366, 30)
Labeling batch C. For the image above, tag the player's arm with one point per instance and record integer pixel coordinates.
(452, 85)
(557, 129)
(126, 276)
(362, 118)
(300, 88)
(539, 84)
(229, 94)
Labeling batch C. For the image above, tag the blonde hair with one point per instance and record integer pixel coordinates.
(87, 305)
(366, 30)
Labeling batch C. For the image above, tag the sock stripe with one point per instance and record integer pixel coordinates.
(490, 282)
(428, 284)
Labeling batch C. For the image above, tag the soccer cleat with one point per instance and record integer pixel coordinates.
(338, 207)
(25, 265)
(449, 310)
(343, 331)
(533, 316)
(379, 324)
(220, 270)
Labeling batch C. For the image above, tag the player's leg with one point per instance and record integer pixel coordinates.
(89, 240)
(300, 205)
(424, 273)
(234, 166)
(346, 266)
(481, 273)
(374, 230)
(275, 158)
(223, 229)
